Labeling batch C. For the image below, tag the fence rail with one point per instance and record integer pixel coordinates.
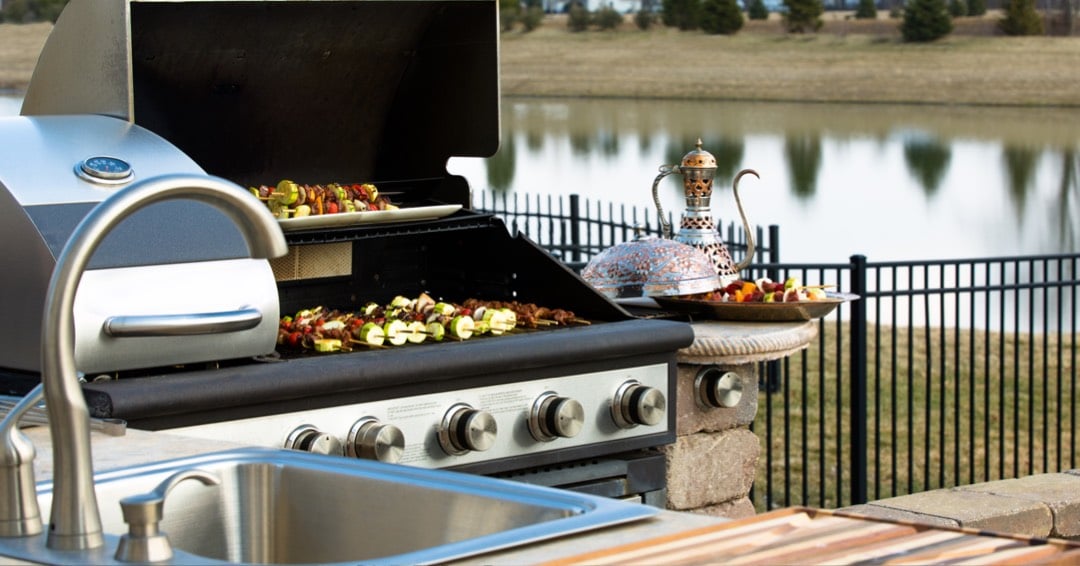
(575, 229)
(944, 373)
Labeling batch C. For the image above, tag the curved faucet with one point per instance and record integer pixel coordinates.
(20, 515)
(75, 522)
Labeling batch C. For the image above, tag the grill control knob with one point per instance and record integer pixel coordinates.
(636, 404)
(307, 438)
(717, 388)
(553, 417)
(465, 428)
(373, 440)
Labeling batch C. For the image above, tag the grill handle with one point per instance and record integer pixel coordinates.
(244, 318)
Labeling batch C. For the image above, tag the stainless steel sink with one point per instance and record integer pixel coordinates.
(288, 507)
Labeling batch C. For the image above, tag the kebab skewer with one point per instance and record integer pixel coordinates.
(292, 200)
(415, 321)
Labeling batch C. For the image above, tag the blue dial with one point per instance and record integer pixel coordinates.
(103, 168)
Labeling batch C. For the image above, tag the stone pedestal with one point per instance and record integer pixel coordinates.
(712, 463)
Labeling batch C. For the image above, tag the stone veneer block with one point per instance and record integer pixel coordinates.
(737, 509)
(708, 468)
(693, 418)
(736, 343)
(977, 510)
(1059, 492)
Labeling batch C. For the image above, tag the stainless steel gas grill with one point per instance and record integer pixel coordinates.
(333, 91)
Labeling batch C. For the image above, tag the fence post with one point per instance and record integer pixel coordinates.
(859, 437)
(575, 227)
(774, 250)
(773, 379)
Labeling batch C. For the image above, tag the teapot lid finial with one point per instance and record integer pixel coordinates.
(699, 158)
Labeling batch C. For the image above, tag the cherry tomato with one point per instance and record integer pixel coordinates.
(294, 339)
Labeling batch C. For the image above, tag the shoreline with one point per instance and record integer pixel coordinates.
(847, 62)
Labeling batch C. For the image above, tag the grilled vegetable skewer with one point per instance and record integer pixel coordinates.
(404, 321)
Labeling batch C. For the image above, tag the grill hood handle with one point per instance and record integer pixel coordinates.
(244, 318)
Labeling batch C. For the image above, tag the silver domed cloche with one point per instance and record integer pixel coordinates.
(651, 267)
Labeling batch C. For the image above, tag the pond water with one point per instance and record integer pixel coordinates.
(9, 104)
(889, 182)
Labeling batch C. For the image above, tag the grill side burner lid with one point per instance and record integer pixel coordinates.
(317, 91)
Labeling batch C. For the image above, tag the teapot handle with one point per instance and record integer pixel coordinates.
(665, 170)
(750, 249)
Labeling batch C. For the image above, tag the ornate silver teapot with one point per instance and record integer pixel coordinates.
(696, 228)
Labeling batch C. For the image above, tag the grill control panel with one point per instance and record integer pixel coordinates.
(437, 430)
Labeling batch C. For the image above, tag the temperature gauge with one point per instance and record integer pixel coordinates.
(103, 169)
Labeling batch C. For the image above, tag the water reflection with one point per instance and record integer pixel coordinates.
(1020, 165)
(803, 153)
(928, 160)
(500, 167)
(891, 182)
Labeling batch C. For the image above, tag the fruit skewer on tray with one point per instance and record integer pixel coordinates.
(292, 200)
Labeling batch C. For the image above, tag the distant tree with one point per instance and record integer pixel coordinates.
(644, 19)
(48, 10)
(925, 20)
(721, 17)
(577, 19)
(757, 10)
(958, 8)
(1020, 18)
(683, 14)
(532, 18)
(646, 16)
(509, 11)
(17, 11)
(867, 10)
(803, 15)
(976, 7)
(607, 18)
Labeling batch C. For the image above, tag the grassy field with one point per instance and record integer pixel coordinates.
(970, 404)
(19, 49)
(848, 60)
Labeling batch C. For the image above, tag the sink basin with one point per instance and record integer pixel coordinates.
(288, 507)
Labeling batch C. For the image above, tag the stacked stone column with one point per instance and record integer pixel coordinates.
(712, 463)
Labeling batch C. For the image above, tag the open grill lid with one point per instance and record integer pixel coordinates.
(315, 91)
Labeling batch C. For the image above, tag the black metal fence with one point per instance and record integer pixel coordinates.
(944, 373)
(575, 229)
